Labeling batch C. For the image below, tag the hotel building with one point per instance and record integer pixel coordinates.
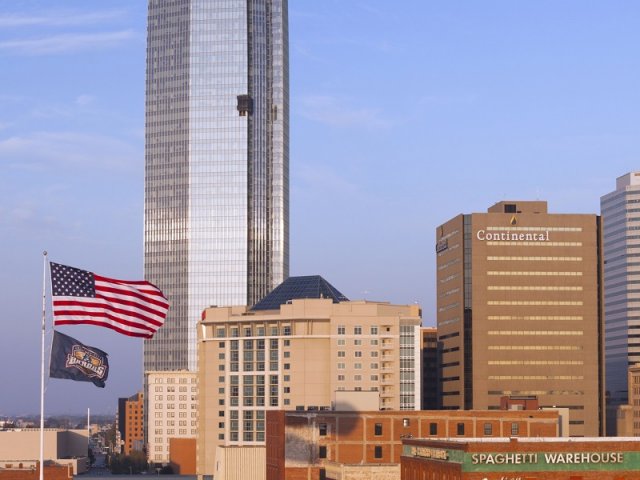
(304, 347)
(173, 411)
(519, 299)
(620, 211)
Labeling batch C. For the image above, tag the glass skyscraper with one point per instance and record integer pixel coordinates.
(621, 222)
(216, 161)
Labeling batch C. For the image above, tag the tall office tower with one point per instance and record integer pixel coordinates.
(520, 311)
(216, 161)
(430, 369)
(303, 347)
(620, 211)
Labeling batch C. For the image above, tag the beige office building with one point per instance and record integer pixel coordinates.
(290, 353)
(173, 411)
(520, 310)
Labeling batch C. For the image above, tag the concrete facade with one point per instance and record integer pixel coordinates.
(60, 446)
(173, 411)
(300, 357)
(519, 298)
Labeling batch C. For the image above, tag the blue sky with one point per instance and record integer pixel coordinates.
(403, 114)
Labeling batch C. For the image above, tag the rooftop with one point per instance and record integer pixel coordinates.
(311, 286)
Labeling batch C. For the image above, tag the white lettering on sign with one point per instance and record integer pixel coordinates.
(483, 235)
(549, 458)
(504, 458)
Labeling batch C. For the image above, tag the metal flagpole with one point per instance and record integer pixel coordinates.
(44, 279)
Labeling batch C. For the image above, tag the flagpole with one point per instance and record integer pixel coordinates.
(44, 293)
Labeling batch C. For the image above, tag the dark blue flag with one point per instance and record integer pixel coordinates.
(72, 360)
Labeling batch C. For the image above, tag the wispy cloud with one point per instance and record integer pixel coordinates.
(66, 43)
(52, 150)
(84, 99)
(336, 112)
(59, 19)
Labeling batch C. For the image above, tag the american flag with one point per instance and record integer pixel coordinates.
(136, 309)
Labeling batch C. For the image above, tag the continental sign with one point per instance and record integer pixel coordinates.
(509, 236)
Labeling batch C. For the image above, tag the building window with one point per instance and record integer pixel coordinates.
(286, 330)
(341, 329)
(358, 354)
(374, 330)
(357, 330)
(287, 343)
(377, 430)
(377, 451)
(341, 353)
(515, 429)
(460, 429)
(433, 429)
(323, 428)
(322, 451)
(488, 429)
(406, 422)
(341, 378)
(287, 366)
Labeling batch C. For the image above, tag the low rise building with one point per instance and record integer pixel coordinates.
(20, 448)
(521, 458)
(342, 445)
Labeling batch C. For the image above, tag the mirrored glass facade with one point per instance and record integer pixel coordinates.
(216, 161)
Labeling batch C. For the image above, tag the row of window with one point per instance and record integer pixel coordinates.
(254, 331)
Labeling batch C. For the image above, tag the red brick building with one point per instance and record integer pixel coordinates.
(310, 445)
(31, 471)
(133, 423)
(521, 459)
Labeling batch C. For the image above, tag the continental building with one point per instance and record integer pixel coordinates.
(304, 347)
(216, 219)
(620, 211)
(173, 411)
(131, 422)
(520, 459)
(369, 444)
(519, 299)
